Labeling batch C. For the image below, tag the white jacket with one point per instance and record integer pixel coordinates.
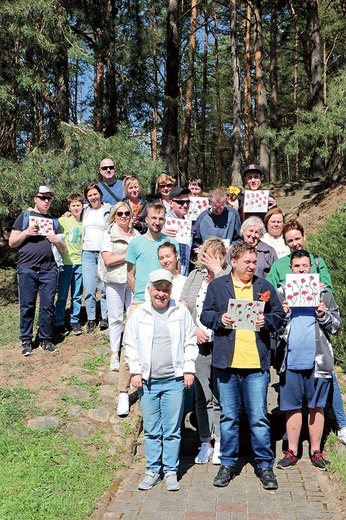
(138, 339)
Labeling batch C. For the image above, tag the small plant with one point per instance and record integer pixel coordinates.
(93, 364)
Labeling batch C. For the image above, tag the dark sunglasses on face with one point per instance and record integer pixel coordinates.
(182, 202)
(42, 197)
(169, 185)
(105, 168)
(122, 213)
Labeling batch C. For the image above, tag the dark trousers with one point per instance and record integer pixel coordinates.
(30, 284)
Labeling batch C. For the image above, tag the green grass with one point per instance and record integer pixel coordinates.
(47, 474)
(337, 456)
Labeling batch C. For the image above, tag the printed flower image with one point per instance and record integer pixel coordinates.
(302, 292)
(197, 205)
(244, 313)
(256, 201)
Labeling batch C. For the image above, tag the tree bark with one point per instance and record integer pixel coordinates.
(170, 116)
(249, 147)
(236, 173)
(273, 87)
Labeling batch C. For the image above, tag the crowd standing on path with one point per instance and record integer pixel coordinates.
(206, 301)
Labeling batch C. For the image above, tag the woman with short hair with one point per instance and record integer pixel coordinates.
(253, 230)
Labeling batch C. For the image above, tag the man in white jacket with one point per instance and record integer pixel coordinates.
(160, 349)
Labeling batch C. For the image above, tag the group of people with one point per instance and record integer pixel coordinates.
(179, 329)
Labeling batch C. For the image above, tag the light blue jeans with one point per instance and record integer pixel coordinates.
(90, 282)
(337, 404)
(162, 405)
(71, 276)
(251, 387)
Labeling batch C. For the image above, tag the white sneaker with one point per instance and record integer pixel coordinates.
(216, 455)
(123, 408)
(149, 481)
(172, 483)
(342, 435)
(205, 453)
(114, 366)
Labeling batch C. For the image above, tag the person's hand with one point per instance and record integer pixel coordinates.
(260, 320)
(226, 320)
(188, 379)
(271, 203)
(136, 381)
(320, 309)
(202, 336)
(286, 307)
(67, 214)
(53, 239)
(170, 232)
(197, 250)
(211, 262)
(32, 231)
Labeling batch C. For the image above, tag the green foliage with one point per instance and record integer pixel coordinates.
(46, 474)
(337, 457)
(69, 169)
(330, 243)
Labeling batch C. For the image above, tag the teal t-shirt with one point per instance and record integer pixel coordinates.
(142, 252)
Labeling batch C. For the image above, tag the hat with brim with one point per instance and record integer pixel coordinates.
(253, 168)
(161, 275)
(177, 190)
(43, 190)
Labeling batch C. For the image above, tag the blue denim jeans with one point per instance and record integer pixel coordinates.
(162, 405)
(249, 386)
(71, 276)
(90, 282)
(32, 283)
(337, 404)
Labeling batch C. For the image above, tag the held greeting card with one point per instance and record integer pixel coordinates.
(303, 290)
(45, 225)
(256, 201)
(197, 205)
(244, 313)
(182, 228)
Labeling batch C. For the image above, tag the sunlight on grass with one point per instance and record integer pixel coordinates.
(46, 474)
(337, 456)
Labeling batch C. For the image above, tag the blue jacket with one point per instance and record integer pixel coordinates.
(226, 225)
(215, 305)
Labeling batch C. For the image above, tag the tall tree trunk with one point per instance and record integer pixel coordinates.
(262, 106)
(98, 96)
(110, 117)
(273, 87)
(170, 116)
(219, 160)
(236, 173)
(316, 165)
(249, 151)
(189, 92)
(203, 103)
(295, 84)
(155, 113)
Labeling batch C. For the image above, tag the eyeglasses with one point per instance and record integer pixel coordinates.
(105, 168)
(168, 185)
(123, 213)
(182, 202)
(42, 197)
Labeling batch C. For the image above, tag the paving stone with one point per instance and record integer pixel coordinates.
(43, 423)
(99, 414)
(78, 392)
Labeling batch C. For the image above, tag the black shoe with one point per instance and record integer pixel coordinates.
(48, 346)
(76, 329)
(91, 325)
(103, 323)
(224, 476)
(268, 479)
(61, 330)
(26, 348)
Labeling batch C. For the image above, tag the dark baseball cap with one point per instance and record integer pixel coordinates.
(177, 190)
(253, 168)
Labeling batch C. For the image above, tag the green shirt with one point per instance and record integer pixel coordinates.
(281, 267)
(73, 232)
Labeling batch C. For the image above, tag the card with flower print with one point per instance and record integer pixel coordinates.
(44, 225)
(256, 201)
(303, 290)
(182, 228)
(197, 205)
(244, 313)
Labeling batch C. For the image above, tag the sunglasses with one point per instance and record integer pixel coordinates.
(123, 213)
(169, 185)
(42, 197)
(105, 168)
(182, 202)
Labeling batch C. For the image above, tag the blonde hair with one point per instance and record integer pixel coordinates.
(114, 209)
(165, 178)
(215, 245)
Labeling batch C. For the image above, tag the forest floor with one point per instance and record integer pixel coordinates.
(77, 379)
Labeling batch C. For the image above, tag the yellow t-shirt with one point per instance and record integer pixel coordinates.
(245, 349)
